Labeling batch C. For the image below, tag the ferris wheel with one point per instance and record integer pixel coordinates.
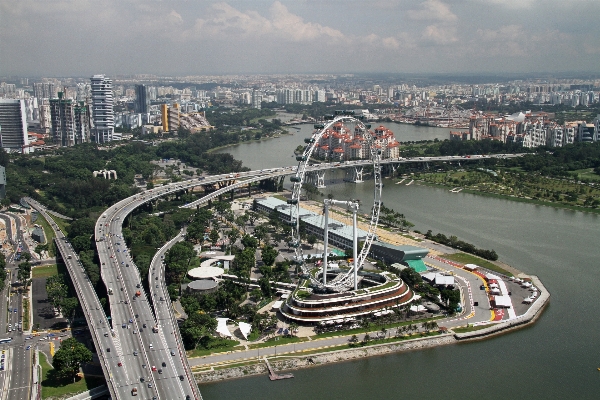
(345, 280)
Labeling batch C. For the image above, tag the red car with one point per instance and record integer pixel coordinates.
(120, 364)
(153, 368)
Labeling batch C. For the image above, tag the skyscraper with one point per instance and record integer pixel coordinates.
(70, 121)
(13, 126)
(102, 110)
(141, 99)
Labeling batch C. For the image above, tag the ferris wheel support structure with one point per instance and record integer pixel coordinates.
(346, 280)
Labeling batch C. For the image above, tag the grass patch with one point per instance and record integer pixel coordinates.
(383, 287)
(471, 328)
(228, 345)
(54, 387)
(280, 197)
(465, 258)
(48, 232)
(44, 271)
(372, 328)
(278, 341)
(25, 314)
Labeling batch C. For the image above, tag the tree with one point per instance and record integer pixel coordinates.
(214, 236)
(56, 291)
(260, 232)
(312, 239)
(269, 254)
(196, 330)
(81, 243)
(233, 235)
(249, 241)
(69, 306)
(24, 271)
(81, 227)
(71, 356)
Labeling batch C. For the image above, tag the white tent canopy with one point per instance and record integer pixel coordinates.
(503, 301)
(222, 327)
(245, 328)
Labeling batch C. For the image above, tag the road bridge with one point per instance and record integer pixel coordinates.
(92, 309)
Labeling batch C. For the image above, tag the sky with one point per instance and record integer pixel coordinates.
(198, 37)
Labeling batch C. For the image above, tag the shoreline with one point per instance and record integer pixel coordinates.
(255, 366)
(516, 199)
(248, 142)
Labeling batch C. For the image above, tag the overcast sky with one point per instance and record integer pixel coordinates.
(80, 37)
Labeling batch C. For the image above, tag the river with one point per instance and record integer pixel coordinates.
(555, 358)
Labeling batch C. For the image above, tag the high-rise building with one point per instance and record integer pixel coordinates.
(257, 99)
(70, 121)
(141, 99)
(13, 126)
(164, 113)
(102, 110)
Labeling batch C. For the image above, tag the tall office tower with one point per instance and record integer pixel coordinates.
(13, 126)
(102, 110)
(141, 99)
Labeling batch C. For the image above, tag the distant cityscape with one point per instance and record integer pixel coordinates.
(37, 113)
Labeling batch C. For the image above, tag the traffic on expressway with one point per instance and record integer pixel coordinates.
(141, 352)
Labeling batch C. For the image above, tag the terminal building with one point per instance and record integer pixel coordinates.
(340, 234)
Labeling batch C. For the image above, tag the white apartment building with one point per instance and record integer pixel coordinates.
(102, 110)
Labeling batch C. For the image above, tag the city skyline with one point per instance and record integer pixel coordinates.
(82, 38)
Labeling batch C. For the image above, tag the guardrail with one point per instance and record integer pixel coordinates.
(169, 306)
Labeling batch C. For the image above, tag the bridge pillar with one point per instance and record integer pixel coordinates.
(320, 180)
(358, 174)
(232, 194)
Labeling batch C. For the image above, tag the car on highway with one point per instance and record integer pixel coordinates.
(153, 368)
(151, 346)
(135, 353)
(172, 353)
(164, 364)
(119, 364)
(149, 384)
(28, 347)
(181, 377)
(160, 370)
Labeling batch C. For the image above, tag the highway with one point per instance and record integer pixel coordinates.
(245, 178)
(15, 380)
(129, 352)
(93, 311)
(160, 358)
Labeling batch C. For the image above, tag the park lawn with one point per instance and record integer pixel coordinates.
(56, 388)
(281, 340)
(372, 328)
(207, 352)
(465, 258)
(48, 232)
(44, 271)
(587, 173)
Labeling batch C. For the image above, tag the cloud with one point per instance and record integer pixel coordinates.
(227, 22)
(439, 34)
(432, 10)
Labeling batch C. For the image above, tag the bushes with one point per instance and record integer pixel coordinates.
(453, 242)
